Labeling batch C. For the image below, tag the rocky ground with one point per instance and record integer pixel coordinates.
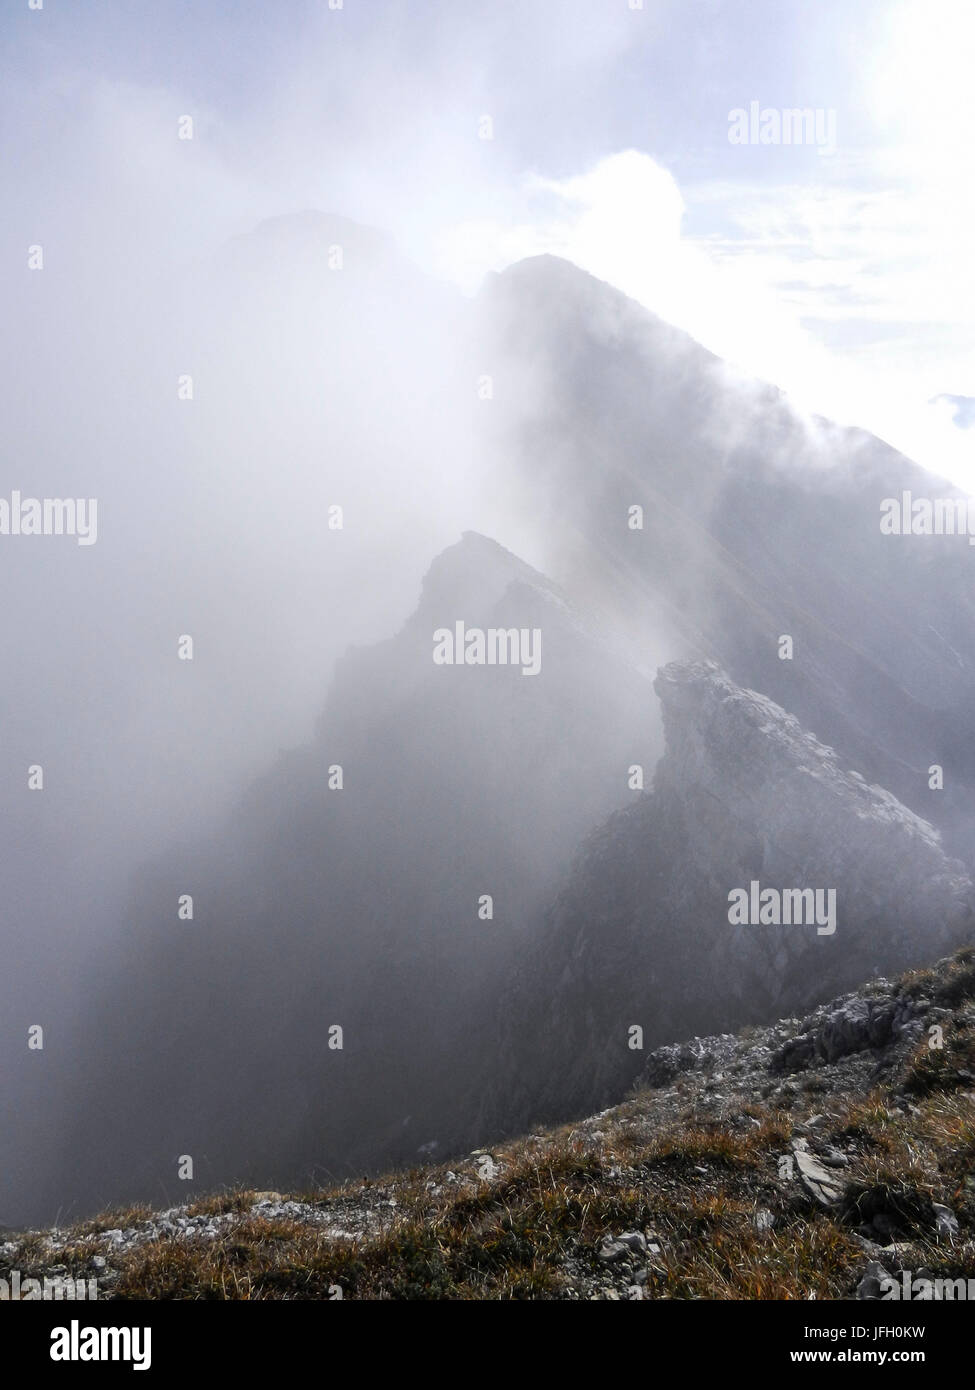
(803, 1160)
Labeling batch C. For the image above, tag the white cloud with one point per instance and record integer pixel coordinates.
(789, 263)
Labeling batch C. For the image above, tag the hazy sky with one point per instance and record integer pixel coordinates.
(844, 277)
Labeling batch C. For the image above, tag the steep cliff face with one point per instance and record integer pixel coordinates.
(762, 800)
(682, 912)
(363, 906)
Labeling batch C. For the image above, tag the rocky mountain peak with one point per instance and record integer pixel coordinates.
(474, 573)
(757, 877)
(737, 748)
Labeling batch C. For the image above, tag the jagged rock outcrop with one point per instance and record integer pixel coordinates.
(762, 800)
(747, 808)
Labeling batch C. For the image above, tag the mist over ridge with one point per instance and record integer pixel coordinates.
(531, 421)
